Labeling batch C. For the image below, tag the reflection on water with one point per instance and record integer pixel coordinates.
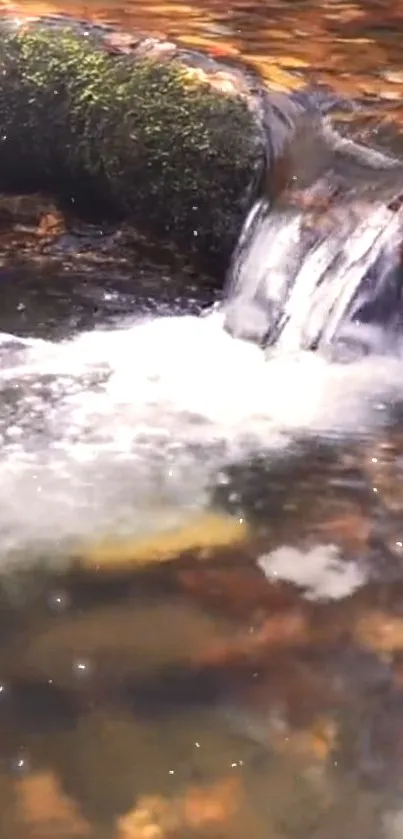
(353, 46)
(250, 681)
(250, 684)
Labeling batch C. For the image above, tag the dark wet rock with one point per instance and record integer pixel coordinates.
(59, 274)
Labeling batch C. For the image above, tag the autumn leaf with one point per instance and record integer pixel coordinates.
(201, 535)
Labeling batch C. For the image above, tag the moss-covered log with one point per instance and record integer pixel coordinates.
(147, 132)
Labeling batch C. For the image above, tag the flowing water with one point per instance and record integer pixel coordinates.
(253, 687)
(299, 285)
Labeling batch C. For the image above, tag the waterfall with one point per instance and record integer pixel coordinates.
(127, 427)
(318, 274)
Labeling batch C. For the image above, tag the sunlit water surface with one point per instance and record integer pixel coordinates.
(125, 429)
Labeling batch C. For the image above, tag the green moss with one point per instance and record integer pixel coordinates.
(178, 157)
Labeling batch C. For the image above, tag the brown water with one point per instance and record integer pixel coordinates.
(356, 47)
(201, 684)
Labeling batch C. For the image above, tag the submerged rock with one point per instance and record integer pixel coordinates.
(202, 535)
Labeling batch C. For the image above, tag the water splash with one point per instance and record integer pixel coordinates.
(124, 430)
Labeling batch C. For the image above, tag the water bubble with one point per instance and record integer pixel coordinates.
(20, 763)
(82, 668)
(58, 601)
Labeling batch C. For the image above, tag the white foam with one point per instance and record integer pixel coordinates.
(320, 571)
(122, 430)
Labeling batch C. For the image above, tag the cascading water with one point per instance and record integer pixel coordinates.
(304, 280)
(127, 428)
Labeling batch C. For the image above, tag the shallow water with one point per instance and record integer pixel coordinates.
(251, 685)
(101, 430)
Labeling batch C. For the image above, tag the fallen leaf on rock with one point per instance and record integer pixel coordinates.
(202, 536)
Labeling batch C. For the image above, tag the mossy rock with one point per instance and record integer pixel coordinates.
(135, 137)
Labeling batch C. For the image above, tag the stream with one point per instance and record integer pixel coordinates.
(243, 677)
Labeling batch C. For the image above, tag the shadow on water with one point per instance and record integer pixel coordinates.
(250, 688)
(52, 287)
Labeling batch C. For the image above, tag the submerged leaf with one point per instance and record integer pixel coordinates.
(201, 535)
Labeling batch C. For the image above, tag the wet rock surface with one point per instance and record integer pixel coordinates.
(59, 273)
